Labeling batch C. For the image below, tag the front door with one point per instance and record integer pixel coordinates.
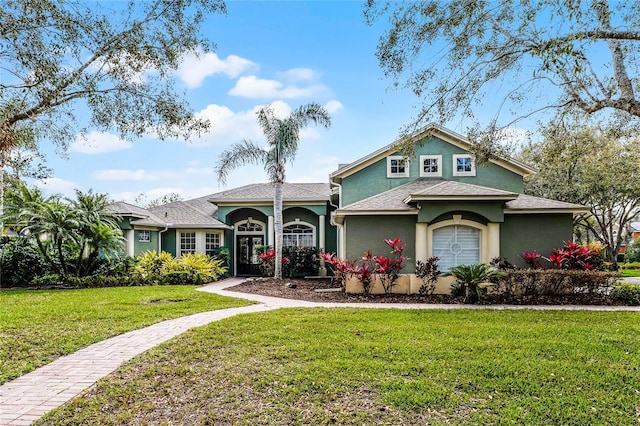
(247, 254)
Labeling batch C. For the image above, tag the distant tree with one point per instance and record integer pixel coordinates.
(594, 165)
(283, 135)
(113, 59)
(527, 56)
(143, 200)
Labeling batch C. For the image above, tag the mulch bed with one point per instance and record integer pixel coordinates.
(305, 289)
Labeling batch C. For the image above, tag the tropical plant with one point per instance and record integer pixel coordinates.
(388, 268)
(428, 273)
(472, 280)
(268, 261)
(98, 233)
(282, 136)
(341, 268)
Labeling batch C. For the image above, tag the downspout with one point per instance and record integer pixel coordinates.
(332, 215)
(160, 237)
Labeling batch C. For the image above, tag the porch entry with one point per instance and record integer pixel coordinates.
(248, 259)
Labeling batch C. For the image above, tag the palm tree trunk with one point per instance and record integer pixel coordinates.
(277, 223)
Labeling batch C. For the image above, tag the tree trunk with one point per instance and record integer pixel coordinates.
(277, 224)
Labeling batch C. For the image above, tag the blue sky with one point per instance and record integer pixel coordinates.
(280, 53)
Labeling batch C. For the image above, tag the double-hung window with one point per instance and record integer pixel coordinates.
(211, 243)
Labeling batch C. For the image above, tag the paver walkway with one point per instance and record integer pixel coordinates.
(28, 397)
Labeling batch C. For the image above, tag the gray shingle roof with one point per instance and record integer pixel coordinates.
(187, 214)
(454, 189)
(424, 188)
(126, 209)
(529, 202)
(265, 192)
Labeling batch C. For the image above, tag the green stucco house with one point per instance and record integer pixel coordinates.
(438, 202)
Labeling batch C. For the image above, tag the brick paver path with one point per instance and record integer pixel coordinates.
(28, 397)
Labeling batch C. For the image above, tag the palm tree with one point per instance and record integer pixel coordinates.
(98, 232)
(282, 136)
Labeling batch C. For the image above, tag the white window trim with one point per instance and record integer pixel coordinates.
(298, 222)
(148, 233)
(201, 239)
(397, 175)
(431, 157)
(485, 250)
(455, 165)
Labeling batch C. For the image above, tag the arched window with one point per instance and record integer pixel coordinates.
(456, 245)
(298, 235)
(249, 227)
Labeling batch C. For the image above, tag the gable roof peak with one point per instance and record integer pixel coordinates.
(432, 129)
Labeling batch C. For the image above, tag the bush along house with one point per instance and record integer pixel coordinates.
(438, 202)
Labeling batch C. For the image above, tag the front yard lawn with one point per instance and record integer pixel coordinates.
(630, 272)
(361, 366)
(38, 326)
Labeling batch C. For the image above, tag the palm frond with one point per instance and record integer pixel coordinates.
(240, 154)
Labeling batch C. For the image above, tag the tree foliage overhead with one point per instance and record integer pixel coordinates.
(116, 60)
(596, 165)
(526, 56)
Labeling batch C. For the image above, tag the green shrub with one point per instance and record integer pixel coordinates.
(20, 262)
(527, 283)
(303, 261)
(631, 265)
(471, 280)
(191, 268)
(47, 280)
(629, 294)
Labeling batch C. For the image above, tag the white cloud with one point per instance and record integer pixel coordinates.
(254, 87)
(298, 74)
(99, 143)
(194, 69)
(57, 186)
(227, 126)
(333, 106)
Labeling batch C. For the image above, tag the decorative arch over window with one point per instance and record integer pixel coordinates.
(298, 234)
(249, 226)
(458, 242)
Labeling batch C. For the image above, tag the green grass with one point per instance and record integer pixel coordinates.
(630, 272)
(39, 326)
(348, 366)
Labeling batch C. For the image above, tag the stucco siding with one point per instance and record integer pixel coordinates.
(369, 233)
(539, 232)
(373, 179)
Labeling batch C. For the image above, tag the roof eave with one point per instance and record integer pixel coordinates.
(415, 198)
(574, 211)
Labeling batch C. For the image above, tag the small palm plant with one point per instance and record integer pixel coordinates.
(471, 280)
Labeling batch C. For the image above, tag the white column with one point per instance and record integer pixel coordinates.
(422, 249)
(321, 231)
(130, 242)
(493, 241)
(270, 231)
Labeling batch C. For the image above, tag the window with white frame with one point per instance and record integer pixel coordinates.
(463, 165)
(187, 242)
(431, 165)
(298, 235)
(211, 243)
(397, 166)
(456, 245)
(144, 236)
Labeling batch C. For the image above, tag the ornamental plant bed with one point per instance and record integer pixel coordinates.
(305, 289)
